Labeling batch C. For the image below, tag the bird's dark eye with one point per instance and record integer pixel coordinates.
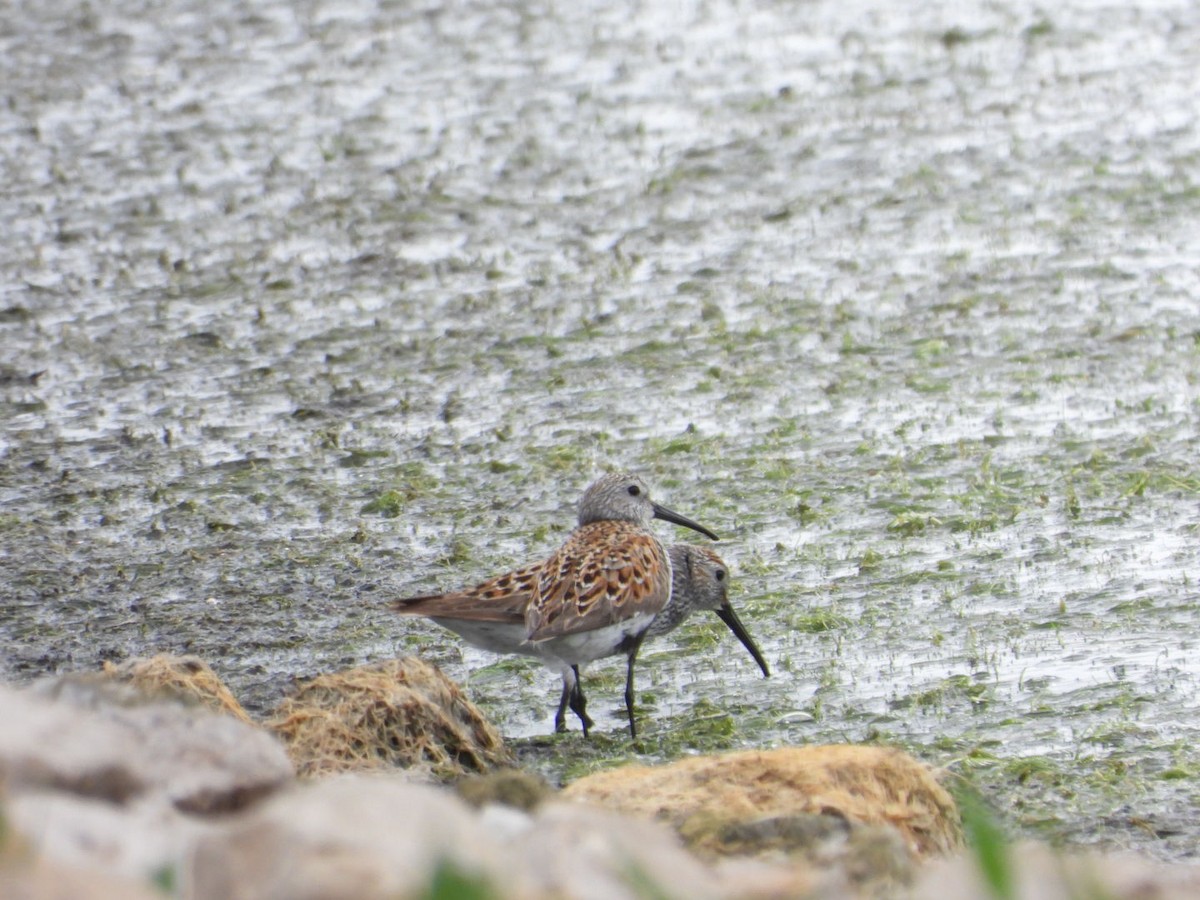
(720, 574)
(634, 490)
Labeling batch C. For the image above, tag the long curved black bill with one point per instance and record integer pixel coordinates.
(729, 617)
(667, 515)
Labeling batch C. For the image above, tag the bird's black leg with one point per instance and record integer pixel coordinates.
(578, 702)
(560, 717)
(633, 652)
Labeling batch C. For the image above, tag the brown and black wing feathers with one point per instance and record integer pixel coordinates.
(607, 571)
(499, 599)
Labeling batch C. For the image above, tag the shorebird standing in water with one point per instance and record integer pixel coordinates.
(597, 595)
(699, 581)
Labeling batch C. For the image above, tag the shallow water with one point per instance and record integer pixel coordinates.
(899, 301)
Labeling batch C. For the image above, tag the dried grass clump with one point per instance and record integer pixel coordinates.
(180, 677)
(711, 800)
(403, 713)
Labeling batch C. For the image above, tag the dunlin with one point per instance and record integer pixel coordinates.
(597, 595)
(699, 581)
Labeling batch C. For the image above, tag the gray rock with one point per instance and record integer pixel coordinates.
(97, 776)
(1040, 873)
(98, 739)
(361, 836)
(585, 852)
(368, 836)
(27, 878)
(145, 839)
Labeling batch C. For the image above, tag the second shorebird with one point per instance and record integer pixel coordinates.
(597, 595)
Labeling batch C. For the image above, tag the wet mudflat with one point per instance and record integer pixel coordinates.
(304, 306)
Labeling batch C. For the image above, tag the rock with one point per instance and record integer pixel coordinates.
(749, 879)
(142, 841)
(102, 741)
(43, 879)
(188, 678)
(360, 836)
(403, 713)
(572, 850)
(97, 776)
(1040, 873)
(790, 800)
(379, 836)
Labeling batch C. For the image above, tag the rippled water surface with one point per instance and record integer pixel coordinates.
(307, 305)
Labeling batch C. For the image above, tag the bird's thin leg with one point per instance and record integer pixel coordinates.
(633, 652)
(579, 703)
(560, 717)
